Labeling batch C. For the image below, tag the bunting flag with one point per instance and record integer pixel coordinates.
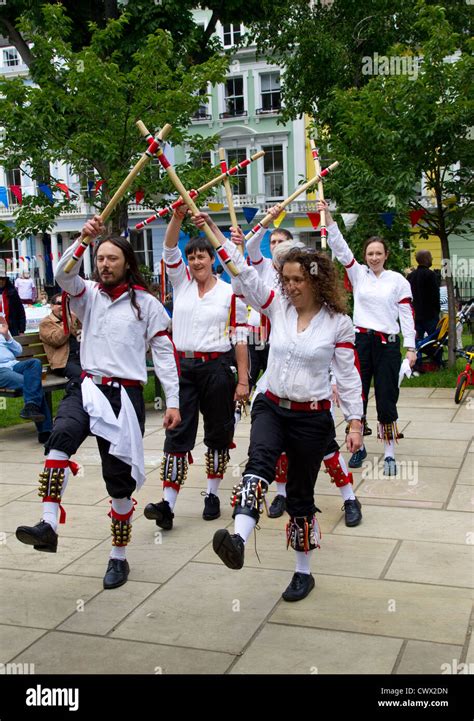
(65, 189)
(278, 221)
(16, 190)
(4, 196)
(22, 258)
(98, 186)
(46, 190)
(387, 218)
(349, 219)
(139, 195)
(27, 258)
(40, 256)
(250, 213)
(215, 207)
(90, 185)
(315, 219)
(416, 215)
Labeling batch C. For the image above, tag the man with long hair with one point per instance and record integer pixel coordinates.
(120, 318)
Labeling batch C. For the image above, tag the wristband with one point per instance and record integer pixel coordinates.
(412, 350)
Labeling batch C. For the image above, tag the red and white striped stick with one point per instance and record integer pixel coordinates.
(317, 167)
(172, 175)
(194, 193)
(153, 146)
(301, 189)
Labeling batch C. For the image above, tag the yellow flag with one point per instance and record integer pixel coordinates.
(278, 221)
(215, 207)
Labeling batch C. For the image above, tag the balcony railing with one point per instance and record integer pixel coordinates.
(267, 111)
(233, 114)
(201, 116)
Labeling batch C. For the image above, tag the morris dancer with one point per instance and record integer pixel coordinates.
(281, 241)
(310, 332)
(119, 319)
(382, 299)
(207, 320)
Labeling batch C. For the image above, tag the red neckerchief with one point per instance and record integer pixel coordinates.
(115, 291)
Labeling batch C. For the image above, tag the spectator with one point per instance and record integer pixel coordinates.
(425, 290)
(11, 306)
(24, 375)
(43, 298)
(443, 296)
(62, 349)
(26, 288)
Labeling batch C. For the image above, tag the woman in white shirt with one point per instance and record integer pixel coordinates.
(207, 321)
(382, 300)
(310, 331)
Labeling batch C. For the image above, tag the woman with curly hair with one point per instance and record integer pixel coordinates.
(310, 332)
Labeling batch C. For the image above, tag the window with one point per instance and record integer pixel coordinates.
(12, 177)
(142, 243)
(234, 97)
(270, 86)
(201, 113)
(11, 58)
(198, 160)
(231, 34)
(273, 171)
(235, 156)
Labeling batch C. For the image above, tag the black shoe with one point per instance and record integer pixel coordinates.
(278, 507)
(161, 513)
(356, 459)
(117, 573)
(44, 437)
(229, 548)
(32, 413)
(42, 537)
(212, 507)
(352, 512)
(301, 584)
(389, 466)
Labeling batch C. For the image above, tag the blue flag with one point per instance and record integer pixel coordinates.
(46, 190)
(388, 219)
(4, 196)
(250, 213)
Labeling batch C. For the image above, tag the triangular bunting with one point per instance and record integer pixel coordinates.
(349, 219)
(139, 195)
(16, 190)
(416, 215)
(315, 219)
(98, 186)
(46, 190)
(388, 219)
(249, 213)
(4, 196)
(65, 189)
(278, 221)
(215, 207)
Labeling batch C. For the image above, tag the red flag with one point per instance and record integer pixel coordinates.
(16, 190)
(315, 219)
(98, 186)
(64, 188)
(415, 215)
(139, 195)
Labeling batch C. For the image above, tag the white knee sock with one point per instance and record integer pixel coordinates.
(213, 485)
(244, 525)
(281, 489)
(303, 562)
(50, 509)
(389, 449)
(170, 495)
(120, 506)
(347, 492)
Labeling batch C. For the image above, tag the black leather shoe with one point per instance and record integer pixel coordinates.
(355, 461)
(301, 584)
(32, 413)
(352, 512)
(229, 548)
(212, 507)
(42, 537)
(117, 573)
(161, 513)
(278, 507)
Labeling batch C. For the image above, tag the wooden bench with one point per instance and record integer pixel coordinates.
(34, 348)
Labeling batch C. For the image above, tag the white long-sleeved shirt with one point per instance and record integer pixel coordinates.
(202, 324)
(380, 302)
(298, 363)
(113, 340)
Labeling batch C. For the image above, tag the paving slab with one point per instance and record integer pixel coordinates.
(462, 499)
(466, 474)
(11, 492)
(412, 482)
(420, 657)
(16, 555)
(454, 431)
(442, 564)
(82, 521)
(73, 653)
(14, 639)
(284, 650)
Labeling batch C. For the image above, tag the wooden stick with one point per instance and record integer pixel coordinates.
(153, 146)
(194, 193)
(317, 167)
(228, 191)
(301, 189)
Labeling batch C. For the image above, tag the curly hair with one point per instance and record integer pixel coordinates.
(319, 269)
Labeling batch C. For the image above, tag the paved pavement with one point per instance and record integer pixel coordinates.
(392, 596)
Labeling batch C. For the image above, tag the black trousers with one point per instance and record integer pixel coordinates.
(305, 436)
(380, 361)
(258, 362)
(71, 428)
(208, 387)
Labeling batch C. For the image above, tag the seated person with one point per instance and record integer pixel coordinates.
(24, 375)
(62, 349)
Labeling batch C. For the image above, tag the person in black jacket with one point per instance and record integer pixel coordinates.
(11, 306)
(425, 290)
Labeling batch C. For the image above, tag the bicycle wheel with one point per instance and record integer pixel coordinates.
(460, 388)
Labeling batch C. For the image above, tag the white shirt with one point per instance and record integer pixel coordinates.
(379, 301)
(26, 288)
(298, 363)
(113, 340)
(202, 324)
(264, 267)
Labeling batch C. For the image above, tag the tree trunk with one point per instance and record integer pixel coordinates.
(17, 40)
(119, 218)
(446, 265)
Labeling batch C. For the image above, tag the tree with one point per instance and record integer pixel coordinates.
(83, 104)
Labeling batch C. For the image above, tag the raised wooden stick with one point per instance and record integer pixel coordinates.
(172, 175)
(317, 167)
(153, 146)
(194, 193)
(268, 218)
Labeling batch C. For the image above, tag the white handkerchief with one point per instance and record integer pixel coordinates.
(405, 370)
